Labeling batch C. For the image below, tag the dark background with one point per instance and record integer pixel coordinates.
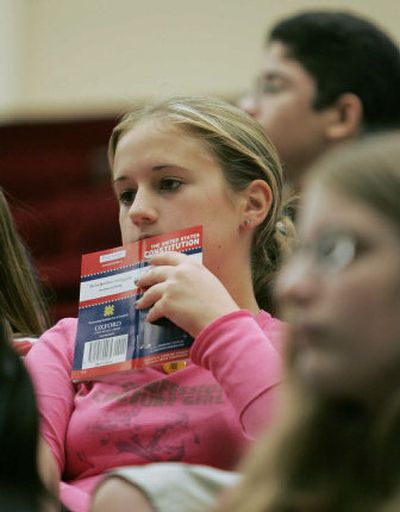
(56, 178)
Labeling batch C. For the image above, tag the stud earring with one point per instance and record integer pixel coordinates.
(247, 222)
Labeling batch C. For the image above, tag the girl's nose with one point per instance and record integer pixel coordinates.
(297, 283)
(142, 210)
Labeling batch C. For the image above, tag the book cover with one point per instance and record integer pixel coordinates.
(112, 334)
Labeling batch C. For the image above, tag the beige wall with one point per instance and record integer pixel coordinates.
(12, 51)
(96, 55)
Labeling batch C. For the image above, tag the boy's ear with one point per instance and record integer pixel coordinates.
(347, 116)
(257, 202)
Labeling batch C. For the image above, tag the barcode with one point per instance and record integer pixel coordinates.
(105, 351)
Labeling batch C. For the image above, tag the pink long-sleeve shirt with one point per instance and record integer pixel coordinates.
(205, 413)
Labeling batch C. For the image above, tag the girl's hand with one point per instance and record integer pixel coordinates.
(184, 291)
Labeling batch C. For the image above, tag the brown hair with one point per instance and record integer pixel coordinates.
(21, 298)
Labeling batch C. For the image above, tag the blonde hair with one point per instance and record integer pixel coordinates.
(21, 299)
(244, 153)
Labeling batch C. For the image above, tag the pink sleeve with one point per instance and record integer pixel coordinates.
(49, 364)
(244, 359)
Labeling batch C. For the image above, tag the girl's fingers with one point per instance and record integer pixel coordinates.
(154, 314)
(158, 271)
(150, 296)
(152, 276)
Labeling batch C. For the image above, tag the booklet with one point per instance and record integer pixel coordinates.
(113, 335)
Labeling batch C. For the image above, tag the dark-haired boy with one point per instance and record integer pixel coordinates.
(326, 77)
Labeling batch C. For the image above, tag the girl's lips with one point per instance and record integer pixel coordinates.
(143, 236)
(307, 335)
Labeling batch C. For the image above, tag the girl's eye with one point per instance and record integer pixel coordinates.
(170, 184)
(126, 197)
(336, 252)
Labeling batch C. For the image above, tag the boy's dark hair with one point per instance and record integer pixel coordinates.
(346, 54)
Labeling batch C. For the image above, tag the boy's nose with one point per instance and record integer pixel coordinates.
(248, 103)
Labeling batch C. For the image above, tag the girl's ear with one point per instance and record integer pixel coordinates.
(257, 203)
(347, 120)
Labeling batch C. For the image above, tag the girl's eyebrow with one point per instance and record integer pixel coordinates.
(166, 166)
(120, 178)
(159, 167)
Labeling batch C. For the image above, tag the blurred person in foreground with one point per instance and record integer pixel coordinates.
(23, 316)
(336, 444)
